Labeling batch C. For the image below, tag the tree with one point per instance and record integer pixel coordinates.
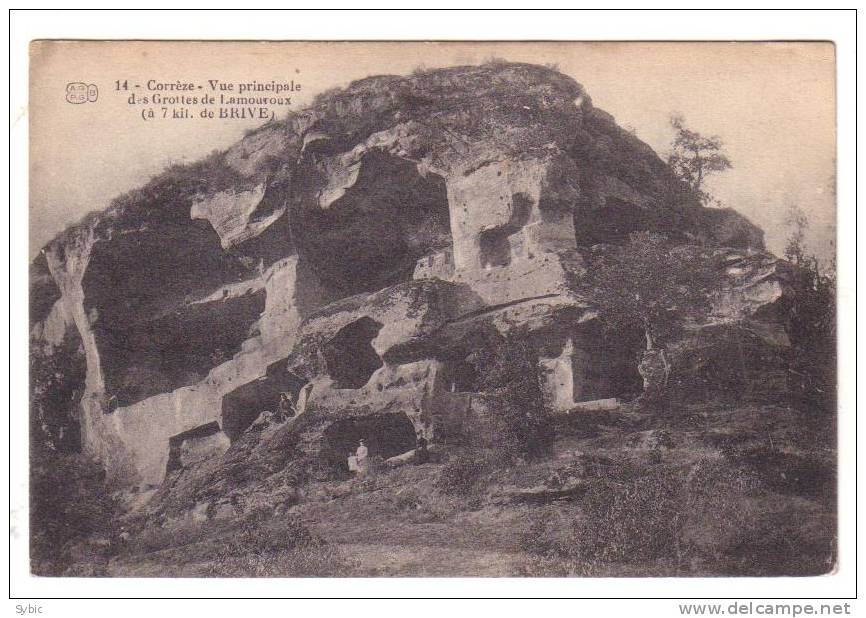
(693, 157)
(69, 497)
(652, 285)
(795, 247)
(811, 318)
(69, 501)
(510, 369)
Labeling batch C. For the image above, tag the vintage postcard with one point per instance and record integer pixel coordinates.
(432, 309)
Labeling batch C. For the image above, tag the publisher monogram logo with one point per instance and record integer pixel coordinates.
(79, 92)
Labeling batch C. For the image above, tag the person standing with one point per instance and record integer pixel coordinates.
(422, 455)
(361, 459)
(286, 406)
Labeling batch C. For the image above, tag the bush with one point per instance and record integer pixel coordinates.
(631, 519)
(540, 538)
(306, 561)
(69, 501)
(549, 549)
(811, 322)
(462, 473)
(804, 475)
(510, 371)
(256, 537)
(674, 516)
(715, 517)
(289, 549)
(56, 379)
(421, 505)
(775, 543)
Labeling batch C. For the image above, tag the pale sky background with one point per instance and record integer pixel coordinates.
(773, 104)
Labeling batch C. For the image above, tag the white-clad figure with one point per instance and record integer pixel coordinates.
(361, 460)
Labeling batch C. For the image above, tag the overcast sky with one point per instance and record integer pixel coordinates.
(773, 104)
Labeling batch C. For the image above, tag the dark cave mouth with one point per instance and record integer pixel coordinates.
(385, 435)
(176, 443)
(242, 406)
(349, 355)
(392, 214)
(495, 243)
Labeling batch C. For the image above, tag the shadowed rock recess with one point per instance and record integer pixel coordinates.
(358, 255)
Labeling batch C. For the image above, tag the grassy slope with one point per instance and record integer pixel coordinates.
(760, 483)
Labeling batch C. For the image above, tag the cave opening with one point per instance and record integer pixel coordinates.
(349, 355)
(605, 365)
(385, 435)
(176, 348)
(242, 406)
(494, 244)
(144, 298)
(177, 442)
(495, 247)
(373, 234)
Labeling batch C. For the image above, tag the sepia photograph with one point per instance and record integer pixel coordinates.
(428, 309)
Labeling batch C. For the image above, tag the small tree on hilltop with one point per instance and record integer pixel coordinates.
(693, 157)
(654, 286)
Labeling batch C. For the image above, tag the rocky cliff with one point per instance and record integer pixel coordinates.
(356, 255)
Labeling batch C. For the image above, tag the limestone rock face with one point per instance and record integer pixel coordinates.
(355, 255)
(756, 284)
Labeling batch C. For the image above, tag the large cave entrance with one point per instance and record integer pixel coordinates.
(606, 365)
(385, 435)
(373, 234)
(590, 365)
(242, 406)
(349, 355)
(141, 292)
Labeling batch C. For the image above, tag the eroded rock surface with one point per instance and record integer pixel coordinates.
(355, 255)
